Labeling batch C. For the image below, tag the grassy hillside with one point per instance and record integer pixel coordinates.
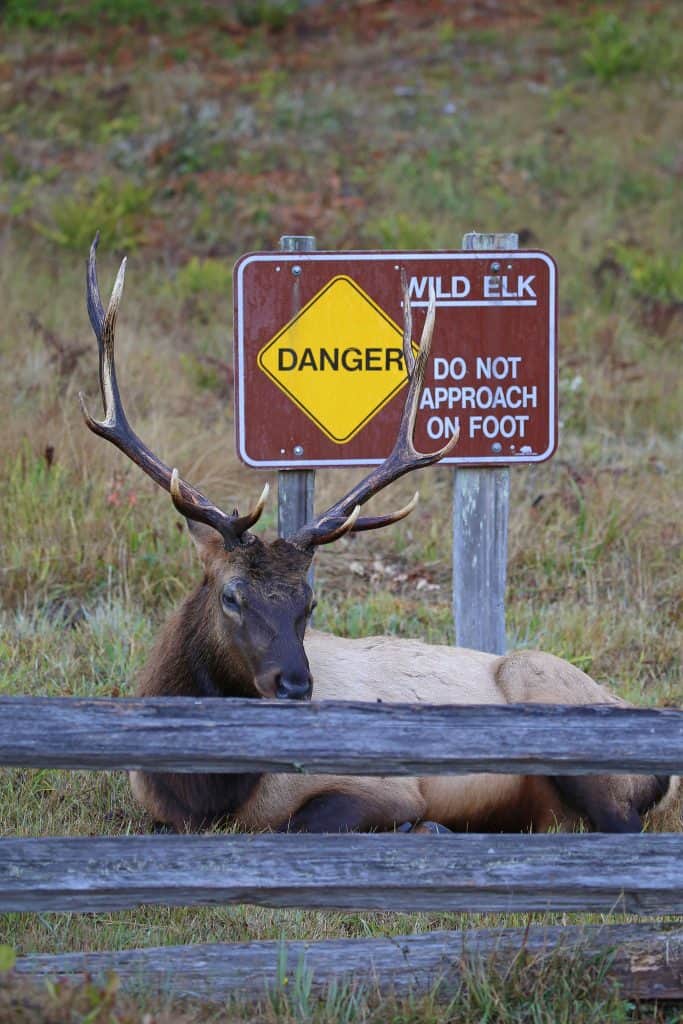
(190, 133)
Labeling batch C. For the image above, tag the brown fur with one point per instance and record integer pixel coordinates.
(203, 651)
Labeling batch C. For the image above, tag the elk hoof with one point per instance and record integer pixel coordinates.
(429, 828)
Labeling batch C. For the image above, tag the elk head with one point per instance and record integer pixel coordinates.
(247, 620)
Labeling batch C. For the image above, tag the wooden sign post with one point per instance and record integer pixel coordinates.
(295, 487)
(481, 502)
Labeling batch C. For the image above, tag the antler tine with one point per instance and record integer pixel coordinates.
(348, 526)
(238, 524)
(404, 456)
(407, 325)
(115, 427)
(375, 522)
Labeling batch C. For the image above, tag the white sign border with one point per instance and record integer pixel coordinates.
(360, 257)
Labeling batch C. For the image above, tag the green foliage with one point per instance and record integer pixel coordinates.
(565, 98)
(611, 50)
(23, 200)
(621, 43)
(117, 210)
(658, 277)
(44, 15)
(203, 287)
(447, 32)
(269, 83)
(8, 958)
(204, 376)
(12, 167)
(273, 14)
(118, 127)
(400, 231)
(201, 277)
(29, 14)
(142, 12)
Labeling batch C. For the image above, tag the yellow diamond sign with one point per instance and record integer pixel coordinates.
(340, 359)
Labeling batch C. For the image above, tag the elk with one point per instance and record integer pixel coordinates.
(240, 633)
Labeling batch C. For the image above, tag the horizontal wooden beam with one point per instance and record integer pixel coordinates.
(182, 734)
(639, 874)
(645, 960)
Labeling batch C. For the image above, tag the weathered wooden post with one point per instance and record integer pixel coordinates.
(481, 498)
(295, 487)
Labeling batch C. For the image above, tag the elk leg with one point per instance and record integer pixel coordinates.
(332, 812)
(158, 793)
(612, 803)
(352, 811)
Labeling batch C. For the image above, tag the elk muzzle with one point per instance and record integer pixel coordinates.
(294, 686)
(281, 684)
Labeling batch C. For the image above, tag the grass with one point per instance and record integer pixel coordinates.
(189, 137)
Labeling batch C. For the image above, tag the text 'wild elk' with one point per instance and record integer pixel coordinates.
(240, 633)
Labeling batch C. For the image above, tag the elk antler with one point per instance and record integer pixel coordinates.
(344, 516)
(115, 427)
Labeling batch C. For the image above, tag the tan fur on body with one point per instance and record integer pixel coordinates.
(392, 669)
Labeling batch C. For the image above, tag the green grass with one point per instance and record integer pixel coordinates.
(42, 15)
(189, 137)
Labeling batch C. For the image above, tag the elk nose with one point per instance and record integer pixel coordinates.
(297, 686)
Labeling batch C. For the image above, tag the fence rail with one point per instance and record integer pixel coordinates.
(218, 735)
(646, 960)
(637, 874)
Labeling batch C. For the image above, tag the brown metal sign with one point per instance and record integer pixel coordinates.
(319, 367)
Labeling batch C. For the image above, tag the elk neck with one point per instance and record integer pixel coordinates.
(191, 658)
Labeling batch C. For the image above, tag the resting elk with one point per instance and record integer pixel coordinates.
(240, 633)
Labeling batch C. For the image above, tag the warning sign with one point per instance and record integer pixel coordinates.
(319, 365)
(340, 360)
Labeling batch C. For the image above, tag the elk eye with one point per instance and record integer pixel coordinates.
(232, 599)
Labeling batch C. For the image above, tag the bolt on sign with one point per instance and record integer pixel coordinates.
(319, 366)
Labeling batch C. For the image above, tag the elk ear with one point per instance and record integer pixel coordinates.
(209, 542)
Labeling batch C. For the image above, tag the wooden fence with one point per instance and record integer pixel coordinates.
(636, 874)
